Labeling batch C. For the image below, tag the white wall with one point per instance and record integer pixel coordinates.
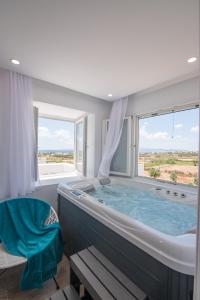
(184, 92)
(46, 192)
(53, 94)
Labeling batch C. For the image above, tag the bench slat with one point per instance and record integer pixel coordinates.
(105, 277)
(71, 293)
(134, 289)
(58, 296)
(91, 283)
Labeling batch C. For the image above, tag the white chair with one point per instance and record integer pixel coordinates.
(8, 260)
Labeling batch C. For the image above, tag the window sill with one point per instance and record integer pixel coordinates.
(58, 178)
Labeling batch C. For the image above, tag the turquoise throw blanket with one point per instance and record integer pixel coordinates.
(23, 233)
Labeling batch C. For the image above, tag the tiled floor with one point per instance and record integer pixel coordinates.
(9, 284)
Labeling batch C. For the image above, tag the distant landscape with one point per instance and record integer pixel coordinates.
(56, 156)
(172, 165)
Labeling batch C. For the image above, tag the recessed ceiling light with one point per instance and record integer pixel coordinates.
(192, 59)
(15, 61)
(109, 95)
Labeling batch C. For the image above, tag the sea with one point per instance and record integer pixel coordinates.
(55, 150)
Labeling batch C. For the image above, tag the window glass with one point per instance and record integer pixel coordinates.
(168, 146)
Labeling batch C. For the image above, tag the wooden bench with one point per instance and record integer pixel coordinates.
(68, 293)
(101, 279)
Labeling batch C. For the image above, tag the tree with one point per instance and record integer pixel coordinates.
(195, 181)
(171, 161)
(154, 172)
(195, 162)
(173, 176)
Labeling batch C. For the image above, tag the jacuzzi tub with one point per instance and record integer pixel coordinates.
(175, 253)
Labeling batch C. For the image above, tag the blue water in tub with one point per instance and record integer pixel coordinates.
(148, 207)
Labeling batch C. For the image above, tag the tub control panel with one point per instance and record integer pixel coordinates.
(77, 194)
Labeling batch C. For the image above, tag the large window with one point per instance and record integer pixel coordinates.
(55, 147)
(168, 146)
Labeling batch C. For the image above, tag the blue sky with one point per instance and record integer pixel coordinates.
(55, 135)
(159, 133)
(155, 132)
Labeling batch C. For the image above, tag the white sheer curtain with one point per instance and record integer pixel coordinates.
(113, 135)
(17, 138)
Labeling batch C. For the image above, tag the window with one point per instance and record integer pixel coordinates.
(55, 147)
(168, 146)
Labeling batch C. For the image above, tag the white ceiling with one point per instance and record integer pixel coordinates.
(100, 46)
(58, 112)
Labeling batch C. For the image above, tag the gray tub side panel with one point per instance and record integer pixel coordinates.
(80, 230)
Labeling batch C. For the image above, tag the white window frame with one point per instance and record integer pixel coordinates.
(136, 133)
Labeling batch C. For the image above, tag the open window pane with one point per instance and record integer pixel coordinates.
(119, 161)
(55, 148)
(79, 145)
(168, 146)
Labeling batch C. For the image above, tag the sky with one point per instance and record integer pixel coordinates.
(174, 131)
(55, 135)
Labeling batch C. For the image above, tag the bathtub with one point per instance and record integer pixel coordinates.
(154, 260)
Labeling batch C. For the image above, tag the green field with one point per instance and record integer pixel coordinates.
(177, 167)
(54, 157)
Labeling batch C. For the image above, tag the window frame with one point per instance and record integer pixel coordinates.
(137, 138)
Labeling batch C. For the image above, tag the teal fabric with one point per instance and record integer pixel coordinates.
(23, 233)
